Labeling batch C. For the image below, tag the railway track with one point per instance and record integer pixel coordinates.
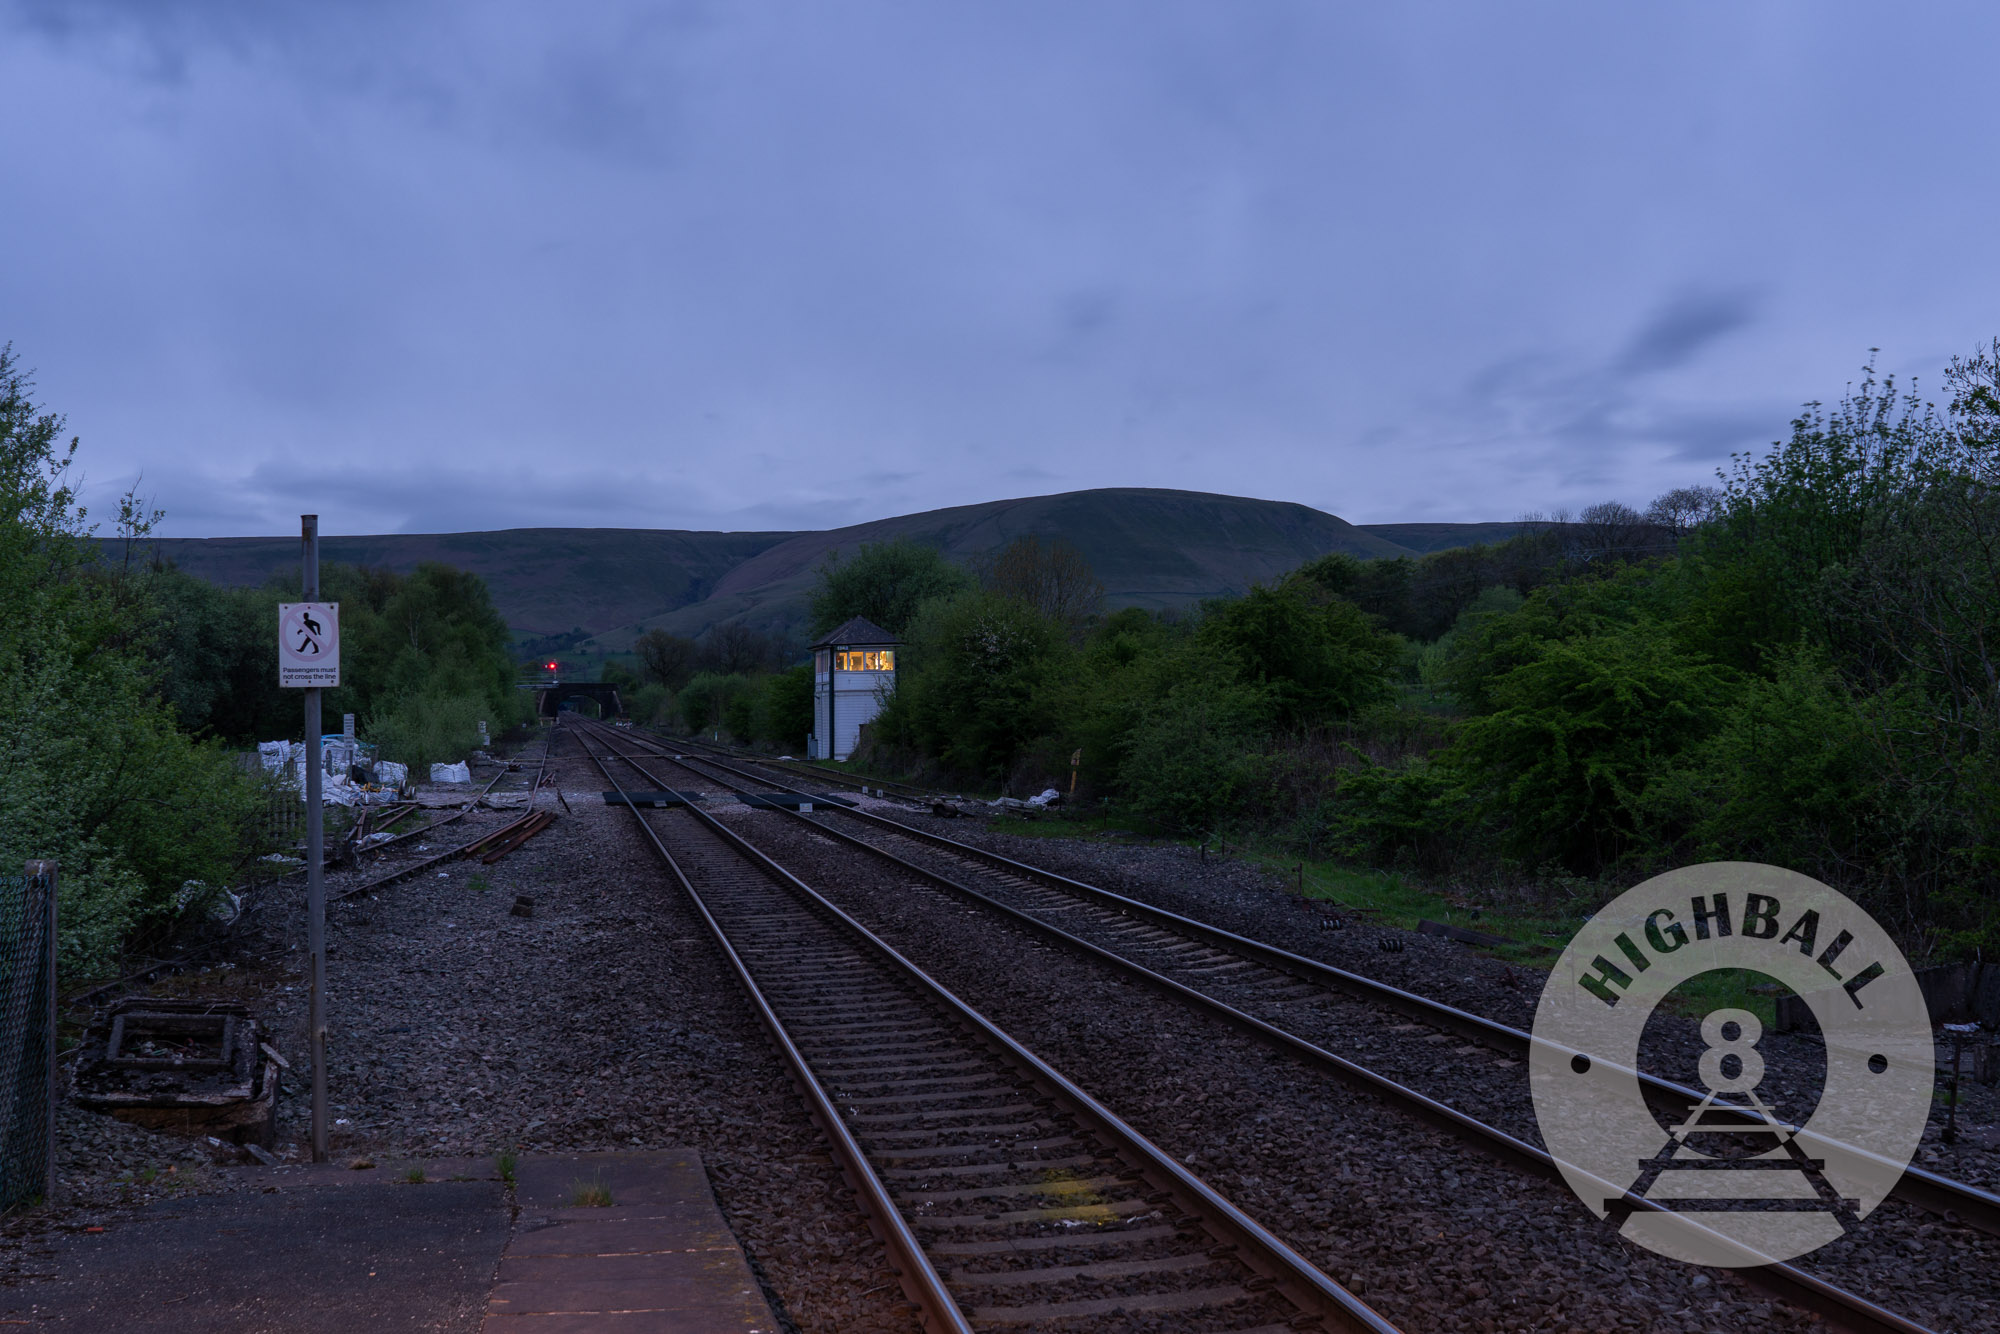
(816, 772)
(1242, 971)
(1005, 1195)
(1234, 978)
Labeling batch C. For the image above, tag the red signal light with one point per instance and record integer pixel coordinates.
(552, 666)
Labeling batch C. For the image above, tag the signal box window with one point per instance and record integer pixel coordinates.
(868, 660)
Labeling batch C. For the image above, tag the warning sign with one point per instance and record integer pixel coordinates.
(309, 644)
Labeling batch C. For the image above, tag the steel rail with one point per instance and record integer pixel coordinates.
(1936, 1194)
(1780, 1279)
(548, 749)
(204, 952)
(453, 818)
(1297, 1278)
(820, 770)
(416, 868)
(919, 1280)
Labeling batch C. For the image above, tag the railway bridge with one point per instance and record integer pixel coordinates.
(556, 697)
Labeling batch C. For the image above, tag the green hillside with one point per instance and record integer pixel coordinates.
(1152, 548)
(544, 580)
(1424, 538)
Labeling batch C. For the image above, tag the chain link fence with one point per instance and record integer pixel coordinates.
(27, 1034)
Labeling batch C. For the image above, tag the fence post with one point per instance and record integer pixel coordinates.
(47, 873)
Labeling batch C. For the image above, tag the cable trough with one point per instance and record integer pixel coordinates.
(1192, 960)
(1005, 1195)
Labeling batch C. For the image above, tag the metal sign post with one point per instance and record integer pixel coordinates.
(309, 657)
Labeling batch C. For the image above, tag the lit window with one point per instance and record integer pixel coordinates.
(867, 660)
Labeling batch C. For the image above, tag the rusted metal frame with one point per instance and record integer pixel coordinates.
(1300, 1281)
(919, 1279)
(535, 824)
(548, 748)
(504, 832)
(1781, 1280)
(415, 868)
(453, 818)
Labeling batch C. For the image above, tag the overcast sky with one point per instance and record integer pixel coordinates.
(778, 265)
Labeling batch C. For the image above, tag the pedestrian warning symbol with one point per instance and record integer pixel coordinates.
(309, 644)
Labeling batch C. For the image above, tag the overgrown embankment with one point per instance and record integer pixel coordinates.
(1799, 667)
(128, 685)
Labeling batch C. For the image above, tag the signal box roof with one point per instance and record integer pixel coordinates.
(857, 633)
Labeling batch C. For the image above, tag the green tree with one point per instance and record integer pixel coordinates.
(1320, 662)
(147, 824)
(668, 659)
(715, 699)
(785, 708)
(885, 582)
(1054, 578)
(1575, 735)
(1191, 758)
(969, 685)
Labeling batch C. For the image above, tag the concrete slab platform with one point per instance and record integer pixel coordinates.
(657, 1259)
(351, 1252)
(328, 1249)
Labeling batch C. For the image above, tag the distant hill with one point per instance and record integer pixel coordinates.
(544, 580)
(1152, 548)
(1424, 538)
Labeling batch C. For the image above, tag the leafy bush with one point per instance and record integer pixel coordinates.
(94, 773)
(712, 699)
(1319, 662)
(1190, 763)
(649, 704)
(969, 693)
(785, 708)
(886, 582)
(1577, 733)
(427, 728)
(1404, 813)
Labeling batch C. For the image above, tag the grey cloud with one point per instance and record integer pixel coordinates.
(1686, 324)
(791, 264)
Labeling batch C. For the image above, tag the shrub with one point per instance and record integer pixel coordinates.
(94, 774)
(1577, 733)
(428, 728)
(785, 708)
(969, 690)
(708, 699)
(648, 705)
(1189, 764)
(1320, 662)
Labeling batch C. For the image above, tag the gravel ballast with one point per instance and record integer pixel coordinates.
(607, 1020)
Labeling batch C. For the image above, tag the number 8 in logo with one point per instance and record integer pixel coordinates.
(1700, 1188)
(1723, 1049)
